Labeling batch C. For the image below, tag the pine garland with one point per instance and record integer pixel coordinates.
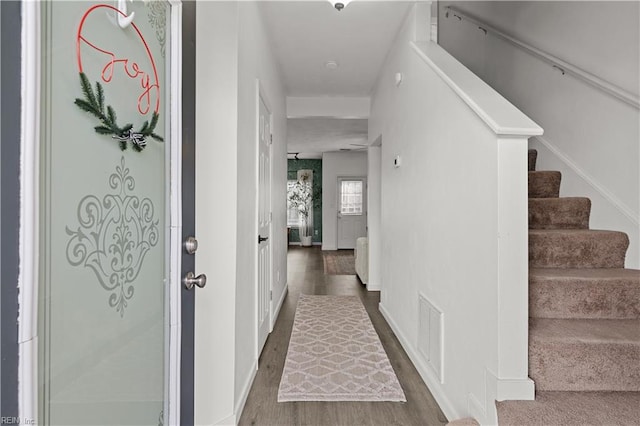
(93, 103)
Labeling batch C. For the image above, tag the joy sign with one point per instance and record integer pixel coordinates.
(115, 65)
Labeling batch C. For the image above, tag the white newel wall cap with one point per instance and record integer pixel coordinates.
(498, 113)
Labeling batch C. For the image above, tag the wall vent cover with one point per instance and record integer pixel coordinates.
(431, 336)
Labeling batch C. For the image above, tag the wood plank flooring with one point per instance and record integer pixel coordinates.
(306, 276)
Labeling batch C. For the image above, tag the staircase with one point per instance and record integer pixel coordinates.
(584, 309)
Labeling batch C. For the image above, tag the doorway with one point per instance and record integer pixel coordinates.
(264, 294)
(352, 211)
(101, 218)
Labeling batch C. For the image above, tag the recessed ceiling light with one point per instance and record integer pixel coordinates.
(332, 65)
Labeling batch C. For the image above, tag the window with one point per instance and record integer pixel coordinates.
(292, 213)
(351, 197)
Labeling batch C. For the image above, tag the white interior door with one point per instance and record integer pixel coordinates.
(108, 212)
(352, 211)
(264, 223)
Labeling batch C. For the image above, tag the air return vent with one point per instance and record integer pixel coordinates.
(431, 336)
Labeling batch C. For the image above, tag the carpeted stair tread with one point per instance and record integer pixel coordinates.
(559, 213)
(584, 354)
(584, 293)
(584, 309)
(572, 409)
(577, 248)
(532, 158)
(544, 184)
(586, 330)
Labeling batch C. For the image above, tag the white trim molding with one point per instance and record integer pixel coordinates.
(29, 217)
(499, 114)
(276, 311)
(246, 388)
(234, 418)
(483, 408)
(173, 379)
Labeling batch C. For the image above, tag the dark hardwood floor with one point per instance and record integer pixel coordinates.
(306, 276)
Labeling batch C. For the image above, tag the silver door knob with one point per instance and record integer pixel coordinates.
(191, 245)
(190, 280)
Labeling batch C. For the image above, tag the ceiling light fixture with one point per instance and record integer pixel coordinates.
(339, 4)
(332, 65)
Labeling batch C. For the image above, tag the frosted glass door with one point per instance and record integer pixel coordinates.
(104, 256)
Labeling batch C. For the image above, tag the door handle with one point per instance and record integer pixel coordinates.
(190, 280)
(261, 239)
(191, 245)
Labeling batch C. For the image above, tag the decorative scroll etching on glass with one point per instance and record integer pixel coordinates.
(114, 235)
(158, 18)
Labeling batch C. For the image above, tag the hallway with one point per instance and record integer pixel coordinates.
(306, 276)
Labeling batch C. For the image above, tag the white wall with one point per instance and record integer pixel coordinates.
(590, 137)
(256, 61)
(232, 52)
(334, 165)
(453, 224)
(342, 107)
(374, 225)
(216, 168)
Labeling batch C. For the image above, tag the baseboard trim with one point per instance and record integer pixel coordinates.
(513, 389)
(229, 421)
(298, 244)
(372, 287)
(615, 201)
(237, 412)
(477, 409)
(276, 311)
(427, 376)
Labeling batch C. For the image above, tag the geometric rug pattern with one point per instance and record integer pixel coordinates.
(339, 262)
(335, 355)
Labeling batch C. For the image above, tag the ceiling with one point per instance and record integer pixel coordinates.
(305, 35)
(310, 137)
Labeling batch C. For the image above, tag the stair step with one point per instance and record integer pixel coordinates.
(572, 408)
(544, 184)
(533, 157)
(584, 354)
(559, 213)
(584, 293)
(577, 248)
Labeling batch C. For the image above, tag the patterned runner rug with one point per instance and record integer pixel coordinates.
(335, 355)
(339, 262)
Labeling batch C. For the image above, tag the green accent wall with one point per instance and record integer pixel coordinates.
(292, 174)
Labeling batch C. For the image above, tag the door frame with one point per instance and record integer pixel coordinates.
(184, 319)
(365, 200)
(28, 280)
(11, 27)
(260, 94)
